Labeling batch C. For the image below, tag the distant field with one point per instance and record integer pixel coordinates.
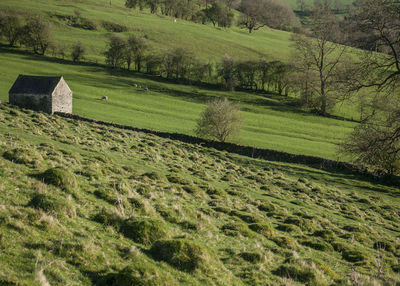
(205, 41)
(268, 121)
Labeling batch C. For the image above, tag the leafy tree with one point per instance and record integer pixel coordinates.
(37, 34)
(226, 71)
(246, 74)
(11, 27)
(219, 120)
(78, 50)
(178, 63)
(136, 51)
(116, 53)
(154, 63)
(219, 13)
(134, 3)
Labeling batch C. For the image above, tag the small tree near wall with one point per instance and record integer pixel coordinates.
(219, 121)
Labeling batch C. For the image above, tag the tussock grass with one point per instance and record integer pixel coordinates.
(144, 231)
(62, 178)
(122, 226)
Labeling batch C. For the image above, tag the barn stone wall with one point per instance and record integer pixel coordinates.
(62, 98)
(39, 102)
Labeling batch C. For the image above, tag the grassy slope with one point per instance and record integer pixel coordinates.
(205, 41)
(199, 194)
(268, 121)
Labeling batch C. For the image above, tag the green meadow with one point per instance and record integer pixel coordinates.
(268, 120)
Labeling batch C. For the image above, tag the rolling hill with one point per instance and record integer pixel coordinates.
(270, 121)
(86, 204)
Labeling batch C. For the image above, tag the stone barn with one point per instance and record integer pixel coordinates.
(48, 94)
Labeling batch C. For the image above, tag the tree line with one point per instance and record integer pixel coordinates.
(35, 33)
(182, 65)
(254, 13)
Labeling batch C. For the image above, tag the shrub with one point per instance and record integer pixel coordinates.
(183, 254)
(22, 156)
(60, 177)
(219, 120)
(262, 228)
(143, 274)
(144, 231)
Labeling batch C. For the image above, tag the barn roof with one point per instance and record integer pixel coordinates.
(35, 84)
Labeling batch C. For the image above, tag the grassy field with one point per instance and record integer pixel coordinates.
(205, 41)
(84, 204)
(268, 120)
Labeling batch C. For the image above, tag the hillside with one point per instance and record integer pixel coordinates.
(85, 204)
(269, 121)
(206, 41)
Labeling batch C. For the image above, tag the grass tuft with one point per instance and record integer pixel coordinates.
(144, 231)
(23, 156)
(62, 178)
(183, 254)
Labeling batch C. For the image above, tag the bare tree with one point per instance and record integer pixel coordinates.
(322, 59)
(375, 143)
(220, 120)
(259, 13)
